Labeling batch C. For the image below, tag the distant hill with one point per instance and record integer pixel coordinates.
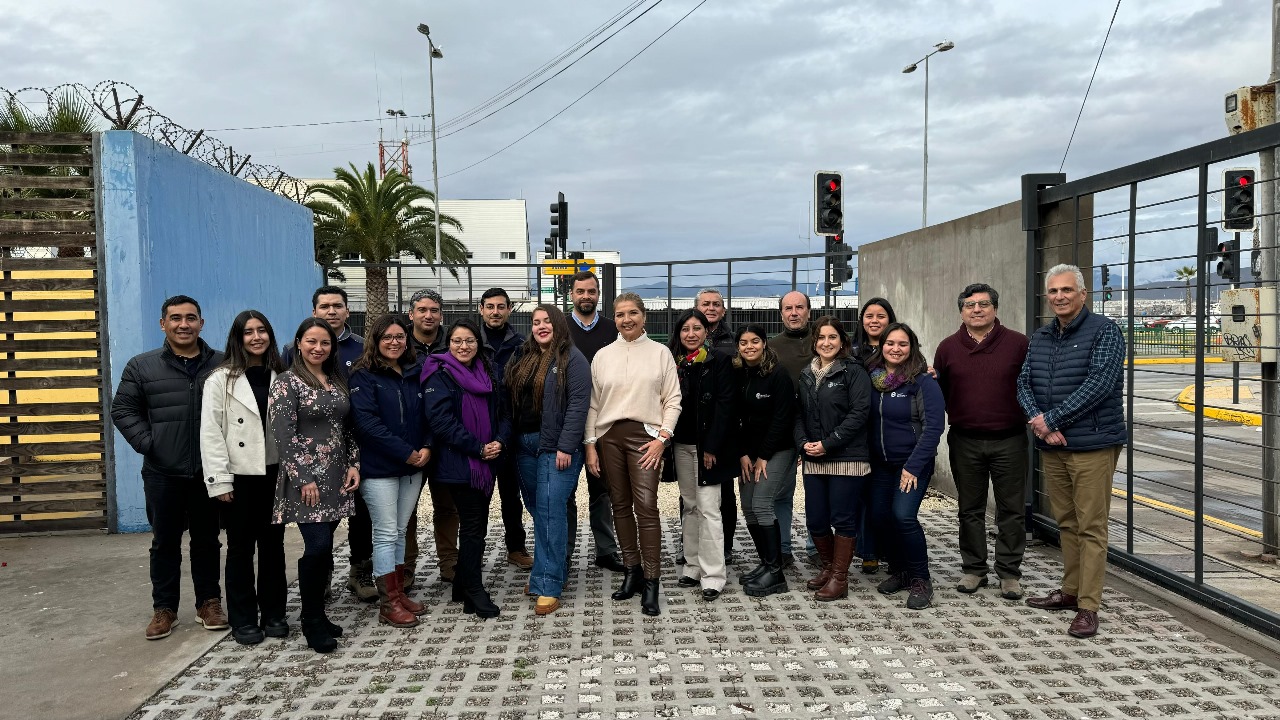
(745, 288)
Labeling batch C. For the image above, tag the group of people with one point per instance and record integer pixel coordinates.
(337, 426)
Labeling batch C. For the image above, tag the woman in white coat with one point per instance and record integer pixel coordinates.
(240, 467)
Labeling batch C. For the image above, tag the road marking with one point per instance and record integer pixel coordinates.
(1208, 519)
(1187, 401)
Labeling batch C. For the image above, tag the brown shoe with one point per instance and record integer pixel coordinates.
(390, 611)
(161, 624)
(837, 586)
(406, 602)
(826, 545)
(546, 605)
(211, 616)
(1056, 600)
(520, 559)
(1085, 625)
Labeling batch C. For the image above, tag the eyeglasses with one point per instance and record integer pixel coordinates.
(971, 304)
(463, 342)
(393, 338)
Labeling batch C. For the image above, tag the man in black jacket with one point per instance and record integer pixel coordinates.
(157, 410)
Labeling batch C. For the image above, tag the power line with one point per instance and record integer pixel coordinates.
(580, 97)
(310, 124)
(553, 77)
(1090, 87)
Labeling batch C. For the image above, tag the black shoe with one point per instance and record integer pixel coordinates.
(680, 560)
(710, 594)
(755, 572)
(729, 558)
(334, 628)
(477, 602)
(649, 600)
(247, 634)
(612, 561)
(686, 581)
(892, 584)
(277, 628)
(772, 580)
(788, 560)
(632, 579)
(316, 631)
(921, 595)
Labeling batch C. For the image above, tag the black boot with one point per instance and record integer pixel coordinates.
(632, 579)
(334, 628)
(754, 532)
(469, 586)
(649, 599)
(311, 579)
(772, 580)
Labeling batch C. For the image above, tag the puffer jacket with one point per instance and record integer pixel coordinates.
(906, 425)
(836, 413)
(386, 408)
(156, 408)
(453, 445)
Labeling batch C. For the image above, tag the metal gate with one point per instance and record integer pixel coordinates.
(1194, 497)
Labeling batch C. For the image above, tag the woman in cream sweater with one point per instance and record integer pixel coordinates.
(635, 403)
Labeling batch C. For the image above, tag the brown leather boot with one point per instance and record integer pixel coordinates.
(826, 546)
(390, 611)
(405, 602)
(838, 586)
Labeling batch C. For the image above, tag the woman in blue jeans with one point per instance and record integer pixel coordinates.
(549, 382)
(907, 416)
(386, 402)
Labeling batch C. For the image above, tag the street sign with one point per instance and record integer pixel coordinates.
(568, 267)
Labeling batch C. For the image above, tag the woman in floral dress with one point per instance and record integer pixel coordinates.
(319, 468)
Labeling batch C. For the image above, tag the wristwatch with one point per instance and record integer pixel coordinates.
(664, 440)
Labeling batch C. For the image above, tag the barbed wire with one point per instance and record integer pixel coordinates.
(122, 106)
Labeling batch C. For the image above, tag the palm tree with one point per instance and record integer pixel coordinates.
(379, 220)
(1186, 273)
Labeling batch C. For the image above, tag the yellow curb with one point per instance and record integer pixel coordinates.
(1187, 401)
(1172, 361)
(1209, 519)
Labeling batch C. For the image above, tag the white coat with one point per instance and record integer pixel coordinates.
(232, 441)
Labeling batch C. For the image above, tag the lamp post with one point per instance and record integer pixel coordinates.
(435, 169)
(940, 47)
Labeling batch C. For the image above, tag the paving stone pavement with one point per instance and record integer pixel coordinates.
(786, 656)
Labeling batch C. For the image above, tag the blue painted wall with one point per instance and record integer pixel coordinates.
(173, 225)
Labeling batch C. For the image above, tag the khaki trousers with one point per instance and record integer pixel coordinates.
(1079, 489)
(633, 492)
(703, 525)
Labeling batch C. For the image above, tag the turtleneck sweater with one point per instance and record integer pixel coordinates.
(637, 381)
(795, 350)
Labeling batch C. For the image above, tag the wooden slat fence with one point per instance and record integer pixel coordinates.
(52, 466)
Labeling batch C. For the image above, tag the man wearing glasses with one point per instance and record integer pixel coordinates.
(978, 370)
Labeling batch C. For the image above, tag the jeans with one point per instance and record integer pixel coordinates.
(833, 502)
(703, 535)
(391, 501)
(176, 505)
(550, 489)
(866, 528)
(1001, 464)
(760, 499)
(473, 525)
(897, 522)
(249, 531)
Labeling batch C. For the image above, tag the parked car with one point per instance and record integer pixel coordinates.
(1155, 322)
(1188, 324)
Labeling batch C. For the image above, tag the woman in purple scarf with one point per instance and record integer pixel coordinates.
(461, 402)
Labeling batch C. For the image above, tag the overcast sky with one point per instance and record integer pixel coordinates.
(705, 145)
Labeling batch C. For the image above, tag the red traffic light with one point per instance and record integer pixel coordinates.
(833, 185)
(1243, 180)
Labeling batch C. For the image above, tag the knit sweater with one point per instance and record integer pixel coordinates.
(795, 350)
(980, 381)
(634, 380)
(590, 342)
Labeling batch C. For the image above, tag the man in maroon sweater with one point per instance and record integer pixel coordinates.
(978, 370)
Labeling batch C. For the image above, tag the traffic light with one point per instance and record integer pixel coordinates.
(1237, 201)
(560, 221)
(828, 208)
(1106, 292)
(549, 248)
(1228, 266)
(839, 259)
(1106, 276)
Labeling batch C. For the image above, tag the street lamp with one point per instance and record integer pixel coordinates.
(435, 169)
(940, 47)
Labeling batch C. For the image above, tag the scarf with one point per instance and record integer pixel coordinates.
(820, 372)
(886, 381)
(476, 386)
(694, 357)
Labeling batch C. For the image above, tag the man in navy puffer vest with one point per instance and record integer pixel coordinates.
(1072, 389)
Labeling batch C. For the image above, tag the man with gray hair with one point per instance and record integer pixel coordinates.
(1072, 388)
(719, 333)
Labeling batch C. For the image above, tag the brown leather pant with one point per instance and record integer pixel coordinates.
(634, 494)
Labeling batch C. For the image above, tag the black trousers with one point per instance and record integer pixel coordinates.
(360, 533)
(176, 505)
(508, 482)
(473, 526)
(247, 519)
(599, 514)
(1001, 465)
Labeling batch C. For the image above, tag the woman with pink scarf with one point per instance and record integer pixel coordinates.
(461, 401)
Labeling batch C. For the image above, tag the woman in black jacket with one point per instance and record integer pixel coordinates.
(386, 405)
(462, 404)
(767, 400)
(831, 436)
(876, 315)
(699, 451)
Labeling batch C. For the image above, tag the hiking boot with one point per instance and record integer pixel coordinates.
(892, 584)
(161, 624)
(360, 581)
(969, 584)
(921, 595)
(521, 559)
(211, 616)
(1010, 589)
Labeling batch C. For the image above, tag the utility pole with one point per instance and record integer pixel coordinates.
(1269, 264)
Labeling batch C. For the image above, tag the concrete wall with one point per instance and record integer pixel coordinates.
(173, 225)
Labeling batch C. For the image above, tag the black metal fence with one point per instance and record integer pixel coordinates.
(1195, 493)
